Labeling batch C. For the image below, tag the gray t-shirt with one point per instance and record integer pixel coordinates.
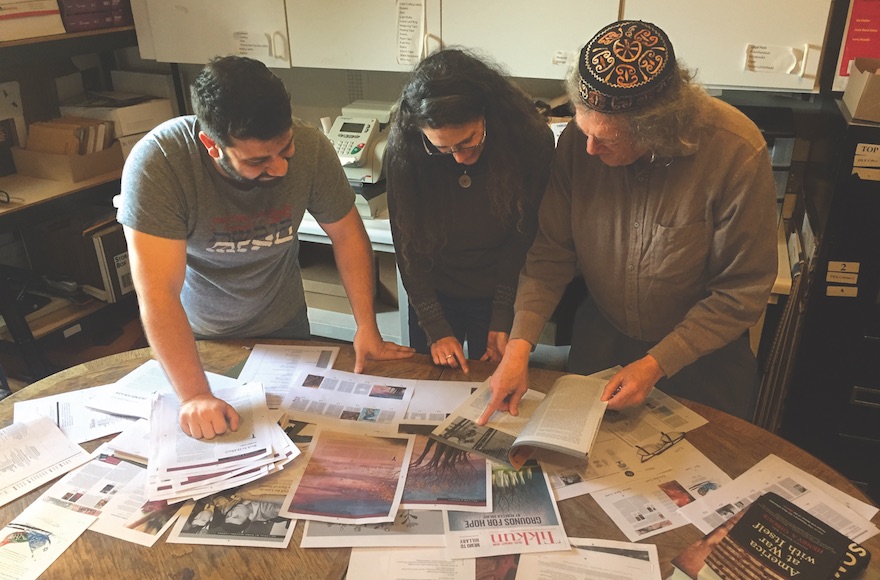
(242, 271)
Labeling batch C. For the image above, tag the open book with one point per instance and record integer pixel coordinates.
(559, 427)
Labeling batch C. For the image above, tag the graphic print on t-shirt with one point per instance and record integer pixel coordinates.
(243, 233)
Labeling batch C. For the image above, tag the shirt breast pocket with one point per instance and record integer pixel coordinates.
(677, 255)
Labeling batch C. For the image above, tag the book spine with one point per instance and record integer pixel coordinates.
(85, 6)
(88, 21)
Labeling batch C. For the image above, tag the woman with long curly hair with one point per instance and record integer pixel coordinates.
(468, 158)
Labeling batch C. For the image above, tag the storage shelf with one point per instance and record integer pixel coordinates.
(41, 49)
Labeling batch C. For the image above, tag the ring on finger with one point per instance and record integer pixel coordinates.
(448, 356)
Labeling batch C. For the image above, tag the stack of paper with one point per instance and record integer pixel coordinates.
(180, 467)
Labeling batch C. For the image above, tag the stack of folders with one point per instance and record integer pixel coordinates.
(70, 136)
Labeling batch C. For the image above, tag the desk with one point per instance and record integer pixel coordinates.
(733, 444)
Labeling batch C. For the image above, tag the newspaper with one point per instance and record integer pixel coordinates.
(525, 518)
(276, 366)
(350, 477)
(33, 453)
(347, 400)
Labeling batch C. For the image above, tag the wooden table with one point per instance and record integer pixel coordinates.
(731, 443)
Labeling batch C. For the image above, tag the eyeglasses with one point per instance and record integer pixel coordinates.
(6, 198)
(666, 441)
(432, 149)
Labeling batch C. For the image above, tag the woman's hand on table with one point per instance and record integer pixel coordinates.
(495, 346)
(448, 352)
(205, 417)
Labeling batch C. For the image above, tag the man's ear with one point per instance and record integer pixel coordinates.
(211, 145)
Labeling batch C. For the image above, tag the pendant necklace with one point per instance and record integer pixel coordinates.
(464, 180)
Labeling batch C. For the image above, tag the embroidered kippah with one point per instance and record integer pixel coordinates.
(624, 66)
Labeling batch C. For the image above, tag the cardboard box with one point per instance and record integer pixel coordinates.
(129, 119)
(87, 247)
(862, 94)
(70, 168)
(30, 19)
(152, 84)
(128, 141)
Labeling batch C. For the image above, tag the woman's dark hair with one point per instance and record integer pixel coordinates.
(238, 97)
(453, 87)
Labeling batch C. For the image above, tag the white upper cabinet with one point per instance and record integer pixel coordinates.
(530, 40)
(753, 44)
(387, 35)
(194, 31)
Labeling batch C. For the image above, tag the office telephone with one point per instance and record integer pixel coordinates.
(353, 138)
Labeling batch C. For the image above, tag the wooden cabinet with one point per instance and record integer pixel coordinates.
(194, 31)
(784, 38)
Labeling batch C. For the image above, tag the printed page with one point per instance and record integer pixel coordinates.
(568, 418)
(33, 453)
(433, 401)
(593, 558)
(133, 442)
(784, 479)
(36, 538)
(347, 400)
(442, 477)
(649, 505)
(493, 440)
(249, 515)
(525, 518)
(69, 412)
(407, 564)
(277, 365)
(411, 528)
(659, 414)
(112, 490)
(172, 450)
(351, 477)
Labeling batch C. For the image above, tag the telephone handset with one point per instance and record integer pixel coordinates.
(352, 137)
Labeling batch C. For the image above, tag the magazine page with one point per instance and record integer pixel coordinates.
(277, 365)
(249, 515)
(411, 528)
(408, 564)
(37, 537)
(568, 418)
(112, 490)
(73, 417)
(593, 558)
(495, 439)
(347, 400)
(649, 505)
(433, 401)
(33, 453)
(525, 518)
(786, 481)
(350, 477)
(443, 477)
(659, 414)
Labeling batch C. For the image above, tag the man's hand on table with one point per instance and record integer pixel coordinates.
(205, 416)
(633, 383)
(510, 381)
(369, 345)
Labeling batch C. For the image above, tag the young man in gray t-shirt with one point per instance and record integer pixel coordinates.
(211, 204)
